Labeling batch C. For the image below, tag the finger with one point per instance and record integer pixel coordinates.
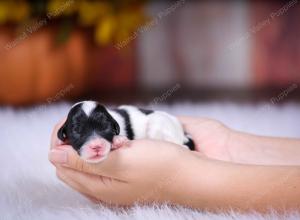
(187, 119)
(198, 153)
(91, 185)
(100, 188)
(54, 139)
(119, 141)
(57, 155)
(74, 185)
(68, 157)
(190, 123)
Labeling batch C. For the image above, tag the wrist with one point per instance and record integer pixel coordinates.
(243, 148)
(234, 146)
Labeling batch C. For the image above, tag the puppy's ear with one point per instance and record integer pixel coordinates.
(61, 134)
(116, 128)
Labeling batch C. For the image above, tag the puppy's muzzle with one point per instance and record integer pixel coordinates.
(95, 150)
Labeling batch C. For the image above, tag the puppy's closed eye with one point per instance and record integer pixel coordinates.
(77, 129)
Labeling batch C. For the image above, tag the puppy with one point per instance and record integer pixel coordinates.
(93, 131)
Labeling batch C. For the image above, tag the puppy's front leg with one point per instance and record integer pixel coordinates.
(119, 141)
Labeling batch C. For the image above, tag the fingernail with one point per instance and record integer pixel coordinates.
(58, 156)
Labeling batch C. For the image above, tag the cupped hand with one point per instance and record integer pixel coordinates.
(142, 171)
(211, 137)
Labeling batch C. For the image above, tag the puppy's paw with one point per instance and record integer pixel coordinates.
(119, 141)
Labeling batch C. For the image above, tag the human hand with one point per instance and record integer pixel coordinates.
(55, 142)
(211, 137)
(153, 171)
(142, 171)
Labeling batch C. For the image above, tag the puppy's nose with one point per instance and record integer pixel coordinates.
(96, 148)
(97, 145)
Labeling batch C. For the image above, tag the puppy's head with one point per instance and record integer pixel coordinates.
(90, 129)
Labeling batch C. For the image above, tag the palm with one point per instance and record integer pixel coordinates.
(211, 137)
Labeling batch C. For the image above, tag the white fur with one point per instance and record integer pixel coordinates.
(87, 107)
(138, 121)
(163, 126)
(30, 190)
(158, 125)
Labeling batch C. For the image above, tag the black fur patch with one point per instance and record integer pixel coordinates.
(146, 111)
(190, 143)
(128, 128)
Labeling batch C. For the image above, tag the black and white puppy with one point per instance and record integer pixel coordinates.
(93, 130)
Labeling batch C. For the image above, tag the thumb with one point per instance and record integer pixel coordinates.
(186, 119)
(186, 122)
(66, 156)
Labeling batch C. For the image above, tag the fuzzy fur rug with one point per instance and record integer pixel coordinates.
(29, 188)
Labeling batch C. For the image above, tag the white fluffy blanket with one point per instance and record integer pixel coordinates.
(29, 188)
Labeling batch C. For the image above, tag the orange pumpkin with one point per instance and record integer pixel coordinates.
(36, 69)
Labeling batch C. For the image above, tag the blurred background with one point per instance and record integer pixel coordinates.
(149, 51)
